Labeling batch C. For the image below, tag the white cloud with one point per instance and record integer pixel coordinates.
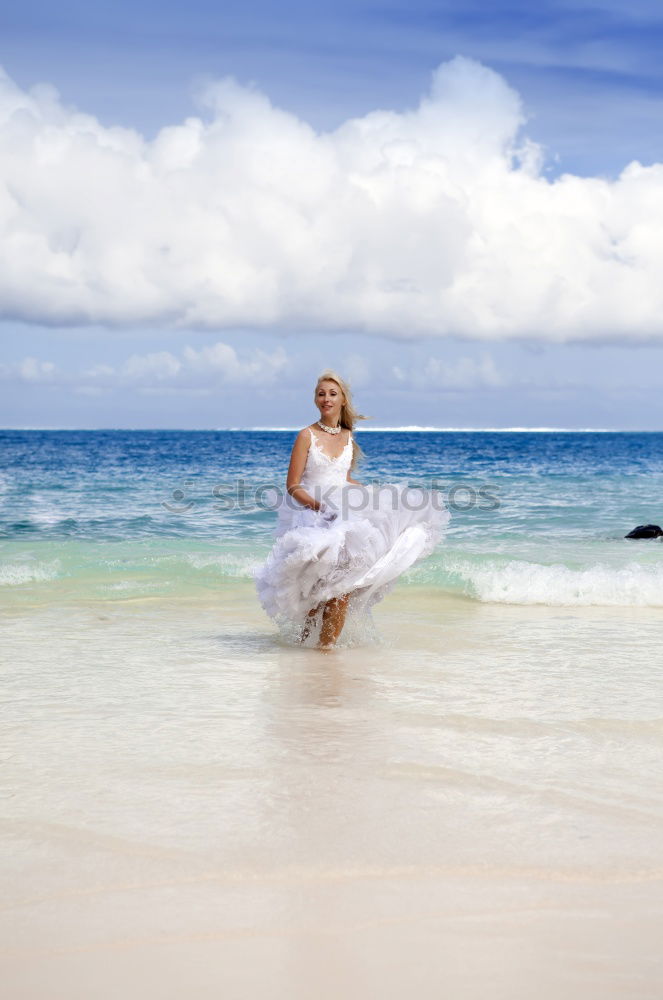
(160, 365)
(221, 359)
(432, 222)
(32, 370)
(193, 372)
(465, 373)
(98, 370)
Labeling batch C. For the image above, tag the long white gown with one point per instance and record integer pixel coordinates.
(378, 533)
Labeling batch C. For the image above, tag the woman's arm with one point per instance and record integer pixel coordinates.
(349, 477)
(295, 470)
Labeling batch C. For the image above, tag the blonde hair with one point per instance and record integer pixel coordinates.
(349, 415)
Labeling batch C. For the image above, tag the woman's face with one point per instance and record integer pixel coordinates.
(329, 399)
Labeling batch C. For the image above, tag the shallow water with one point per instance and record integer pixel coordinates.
(179, 786)
(519, 713)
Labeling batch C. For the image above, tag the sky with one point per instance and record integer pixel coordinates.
(458, 206)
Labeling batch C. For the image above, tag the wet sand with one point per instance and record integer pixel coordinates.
(472, 808)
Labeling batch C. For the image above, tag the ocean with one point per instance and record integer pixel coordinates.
(467, 802)
(537, 518)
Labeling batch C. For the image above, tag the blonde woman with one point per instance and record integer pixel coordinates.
(340, 545)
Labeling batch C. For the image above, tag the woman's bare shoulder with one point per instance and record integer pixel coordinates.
(304, 436)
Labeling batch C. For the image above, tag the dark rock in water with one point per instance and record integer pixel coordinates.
(645, 531)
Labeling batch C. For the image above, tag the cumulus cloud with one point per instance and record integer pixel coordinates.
(161, 371)
(260, 368)
(33, 370)
(30, 370)
(466, 373)
(431, 222)
(159, 365)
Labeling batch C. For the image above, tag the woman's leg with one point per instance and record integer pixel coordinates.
(308, 624)
(333, 619)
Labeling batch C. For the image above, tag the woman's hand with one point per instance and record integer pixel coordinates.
(326, 512)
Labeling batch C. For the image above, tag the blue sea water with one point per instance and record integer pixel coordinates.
(537, 517)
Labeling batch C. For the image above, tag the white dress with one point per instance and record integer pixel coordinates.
(379, 532)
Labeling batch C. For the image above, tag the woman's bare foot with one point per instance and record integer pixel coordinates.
(308, 624)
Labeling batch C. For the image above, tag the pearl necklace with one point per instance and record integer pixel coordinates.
(330, 430)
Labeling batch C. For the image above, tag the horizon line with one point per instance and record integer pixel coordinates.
(412, 428)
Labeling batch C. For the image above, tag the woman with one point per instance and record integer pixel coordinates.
(340, 545)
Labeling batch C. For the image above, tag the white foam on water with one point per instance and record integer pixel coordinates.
(227, 563)
(15, 574)
(520, 582)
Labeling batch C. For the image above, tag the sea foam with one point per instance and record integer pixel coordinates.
(520, 582)
(15, 574)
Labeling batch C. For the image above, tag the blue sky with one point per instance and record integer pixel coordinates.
(590, 83)
(590, 73)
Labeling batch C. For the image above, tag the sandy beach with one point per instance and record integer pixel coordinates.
(469, 807)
